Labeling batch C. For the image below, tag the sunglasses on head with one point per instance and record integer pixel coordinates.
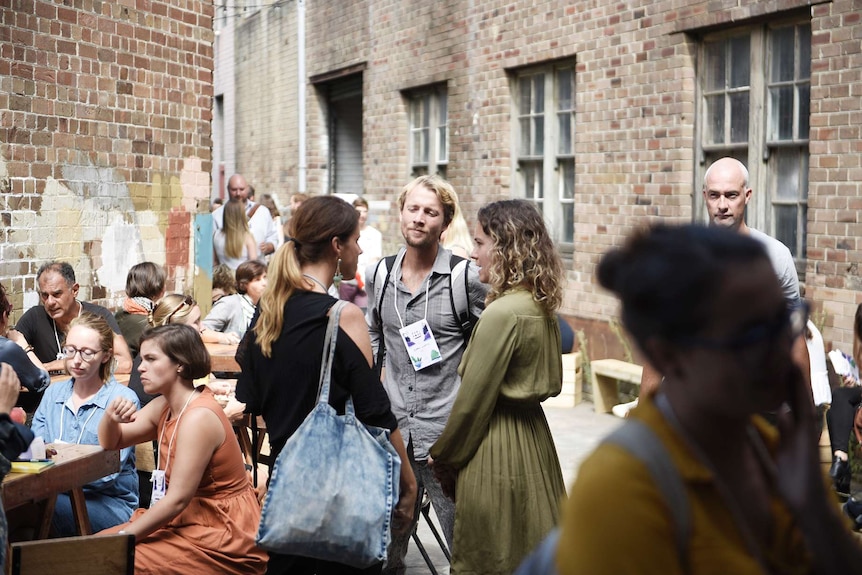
(188, 301)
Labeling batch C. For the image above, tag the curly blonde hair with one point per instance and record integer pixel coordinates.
(523, 254)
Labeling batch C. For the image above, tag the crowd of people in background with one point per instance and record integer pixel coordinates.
(451, 343)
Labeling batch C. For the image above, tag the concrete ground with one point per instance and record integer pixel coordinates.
(576, 430)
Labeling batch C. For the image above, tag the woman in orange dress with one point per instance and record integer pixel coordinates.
(204, 514)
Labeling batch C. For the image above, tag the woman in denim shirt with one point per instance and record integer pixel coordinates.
(70, 412)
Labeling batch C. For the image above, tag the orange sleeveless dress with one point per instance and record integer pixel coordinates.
(216, 532)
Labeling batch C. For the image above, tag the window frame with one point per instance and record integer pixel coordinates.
(553, 163)
(437, 127)
(758, 151)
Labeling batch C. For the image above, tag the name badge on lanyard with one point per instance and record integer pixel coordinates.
(159, 486)
(420, 344)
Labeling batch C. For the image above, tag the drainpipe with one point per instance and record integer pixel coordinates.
(300, 86)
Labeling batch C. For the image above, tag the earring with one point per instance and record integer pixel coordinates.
(336, 279)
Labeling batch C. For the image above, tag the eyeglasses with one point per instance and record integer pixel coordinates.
(187, 301)
(791, 322)
(86, 354)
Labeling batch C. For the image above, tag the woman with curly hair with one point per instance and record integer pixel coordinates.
(496, 452)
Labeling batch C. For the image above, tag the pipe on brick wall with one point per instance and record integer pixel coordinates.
(300, 78)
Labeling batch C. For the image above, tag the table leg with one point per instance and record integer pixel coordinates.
(79, 512)
(47, 515)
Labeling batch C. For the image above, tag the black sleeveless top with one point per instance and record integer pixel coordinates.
(283, 388)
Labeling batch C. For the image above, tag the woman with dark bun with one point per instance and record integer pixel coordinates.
(705, 308)
(496, 455)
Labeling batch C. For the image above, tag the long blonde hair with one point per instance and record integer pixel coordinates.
(523, 254)
(458, 234)
(235, 228)
(310, 233)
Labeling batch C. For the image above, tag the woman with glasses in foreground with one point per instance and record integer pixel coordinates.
(705, 308)
(70, 412)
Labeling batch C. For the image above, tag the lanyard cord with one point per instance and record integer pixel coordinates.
(427, 282)
(173, 435)
(83, 427)
(60, 354)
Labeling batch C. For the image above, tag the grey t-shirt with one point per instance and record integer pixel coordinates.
(782, 263)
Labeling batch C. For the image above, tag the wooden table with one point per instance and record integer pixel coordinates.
(222, 357)
(76, 465)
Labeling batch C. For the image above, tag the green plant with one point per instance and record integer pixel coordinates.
(618, 331)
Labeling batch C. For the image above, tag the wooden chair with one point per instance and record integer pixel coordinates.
(91, 555)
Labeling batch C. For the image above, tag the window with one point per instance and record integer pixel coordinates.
(754, 95)
(429, 131)
(545, 139)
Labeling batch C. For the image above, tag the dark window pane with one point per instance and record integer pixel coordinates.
(782, 54)
(781, 117)
(539, 93)
(539, 143)
(804, 52)
(568, 223)
(739, 117)
(442, 112)
(442, 145)
(715, 66)
(524, 101)
(740, 62)
(786, 173)
(565, 128)
(786, 226)
(564, 90)
(715, 119)
(803, 237)
(804, 110)
(803, 175)
(524, 149)
(567, 173)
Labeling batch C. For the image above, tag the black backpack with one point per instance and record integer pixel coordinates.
(459, 297)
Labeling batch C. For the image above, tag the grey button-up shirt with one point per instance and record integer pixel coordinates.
(421, 400)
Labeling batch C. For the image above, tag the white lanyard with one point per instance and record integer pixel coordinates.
(397, 274)
(173, 434)
(83, 427)
(60, 354)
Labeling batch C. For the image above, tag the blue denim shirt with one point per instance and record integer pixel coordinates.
(55, 421)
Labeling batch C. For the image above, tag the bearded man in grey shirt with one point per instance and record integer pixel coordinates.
(422, 384)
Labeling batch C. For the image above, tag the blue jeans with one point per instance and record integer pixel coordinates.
(106, 509)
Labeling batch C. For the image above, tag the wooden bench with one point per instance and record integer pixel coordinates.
(93, 555)
(605, 375)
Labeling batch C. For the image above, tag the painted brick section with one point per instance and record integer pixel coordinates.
(105, 112)
(635, 130)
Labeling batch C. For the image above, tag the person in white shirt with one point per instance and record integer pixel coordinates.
(259, 220)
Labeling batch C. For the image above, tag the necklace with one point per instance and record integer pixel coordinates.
(317, 281)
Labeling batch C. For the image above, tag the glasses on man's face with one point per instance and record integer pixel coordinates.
(187, 302)
(791, 323)
(86, 354)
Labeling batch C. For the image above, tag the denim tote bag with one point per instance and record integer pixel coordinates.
(335, 483)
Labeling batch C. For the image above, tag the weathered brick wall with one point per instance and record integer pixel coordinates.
(835, 179)
(105, 112)
(635, 124)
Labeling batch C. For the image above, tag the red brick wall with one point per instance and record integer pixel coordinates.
(105, 112)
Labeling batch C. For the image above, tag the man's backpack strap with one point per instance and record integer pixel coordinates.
(458, 298)
(382, 271)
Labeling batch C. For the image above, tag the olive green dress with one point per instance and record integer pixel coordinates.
(510, 487)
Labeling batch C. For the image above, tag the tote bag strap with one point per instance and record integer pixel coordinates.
(329, 351)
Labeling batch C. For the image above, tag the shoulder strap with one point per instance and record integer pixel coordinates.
(638, 439)
(387, 264)
(253, 210)
(459, 298)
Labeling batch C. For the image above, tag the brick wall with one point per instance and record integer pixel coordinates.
(105, 112)
(635, 123)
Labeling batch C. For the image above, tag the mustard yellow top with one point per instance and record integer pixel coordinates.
(616, 521)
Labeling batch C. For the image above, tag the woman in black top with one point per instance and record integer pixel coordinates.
(281, 353)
